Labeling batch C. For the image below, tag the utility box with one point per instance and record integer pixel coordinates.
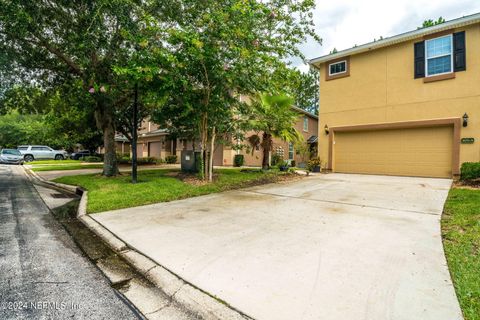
(190, 161)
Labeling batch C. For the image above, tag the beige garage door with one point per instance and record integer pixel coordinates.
(423, 152)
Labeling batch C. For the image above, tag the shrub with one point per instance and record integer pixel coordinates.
(291, 170)
(123, 160)
(293, 163)
(148, 160)
(92, 159)
(123, 155)
(283, 166)
(171, 159)
(277, 159)
(314, 162)
(238, 160)
(470, 171)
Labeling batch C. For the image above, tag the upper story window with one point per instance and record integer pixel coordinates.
(305, 123)
(337, 68)
(439, 56)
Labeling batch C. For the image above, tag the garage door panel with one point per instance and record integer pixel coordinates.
(155, 149)
(409, 152)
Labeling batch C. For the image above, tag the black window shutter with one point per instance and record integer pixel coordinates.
(419, 54)
(459, 52)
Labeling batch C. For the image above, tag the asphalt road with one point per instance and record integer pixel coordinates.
(43, 275)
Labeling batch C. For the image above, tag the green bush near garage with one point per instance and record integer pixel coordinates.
(171, 159)
(238, 160)
(470, 171)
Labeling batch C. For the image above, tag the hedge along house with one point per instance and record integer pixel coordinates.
(406, 105)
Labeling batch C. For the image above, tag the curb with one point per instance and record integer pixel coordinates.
(58, 186)
(192, 298)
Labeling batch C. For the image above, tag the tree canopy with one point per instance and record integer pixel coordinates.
(272, 116)
(431, 23)
(190, 59)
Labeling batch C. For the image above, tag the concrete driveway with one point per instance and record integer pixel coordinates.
(327, 247)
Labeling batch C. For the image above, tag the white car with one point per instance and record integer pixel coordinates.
(12, 156)
(31, 153)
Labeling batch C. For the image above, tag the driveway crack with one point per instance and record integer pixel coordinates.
(339, 202)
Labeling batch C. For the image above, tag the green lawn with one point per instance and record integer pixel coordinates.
(56, 162)
(156, 186)
(461, 237)
(67, 167)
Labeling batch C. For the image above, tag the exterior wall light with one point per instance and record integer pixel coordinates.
(327, 131)
(465, 119)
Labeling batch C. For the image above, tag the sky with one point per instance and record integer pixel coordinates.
(344, 23)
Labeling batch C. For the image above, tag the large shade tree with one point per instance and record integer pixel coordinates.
(227, 50)
(53, 42)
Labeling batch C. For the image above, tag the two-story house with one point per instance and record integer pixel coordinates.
(405, 105)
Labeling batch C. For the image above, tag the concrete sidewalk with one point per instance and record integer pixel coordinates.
(328, 247)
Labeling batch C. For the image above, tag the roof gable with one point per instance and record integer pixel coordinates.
(403, 37)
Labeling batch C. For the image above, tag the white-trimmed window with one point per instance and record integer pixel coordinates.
(305, 123)
(290, 151)
(337, 68)
(439, 56)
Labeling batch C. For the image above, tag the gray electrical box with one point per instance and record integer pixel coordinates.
(190, 161)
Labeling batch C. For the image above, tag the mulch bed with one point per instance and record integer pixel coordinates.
(471, 184)
(192, 179)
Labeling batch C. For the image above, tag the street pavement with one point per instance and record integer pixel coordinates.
(43, 274)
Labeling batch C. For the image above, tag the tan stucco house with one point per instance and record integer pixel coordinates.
(406, 105)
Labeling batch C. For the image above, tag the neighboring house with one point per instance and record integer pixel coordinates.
(157, 143)
(307, 125)
(121, 143)
(399, 106)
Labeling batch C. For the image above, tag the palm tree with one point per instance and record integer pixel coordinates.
(272, 116)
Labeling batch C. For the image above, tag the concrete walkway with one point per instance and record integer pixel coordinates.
(327, 247)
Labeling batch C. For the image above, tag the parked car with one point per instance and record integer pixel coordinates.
(83, 153)
(11, 156)
(31, 153)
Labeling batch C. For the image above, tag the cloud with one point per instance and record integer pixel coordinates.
(345, 23)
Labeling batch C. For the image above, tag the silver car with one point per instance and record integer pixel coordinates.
(31, 153)
(12, 156)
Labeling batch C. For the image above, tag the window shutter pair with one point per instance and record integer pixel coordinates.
(459, 53)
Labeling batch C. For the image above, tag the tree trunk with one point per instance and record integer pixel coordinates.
(105, 122)
(110, 167)
(210, 160)
(203, 146)
(134, 135)
(266, 147)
